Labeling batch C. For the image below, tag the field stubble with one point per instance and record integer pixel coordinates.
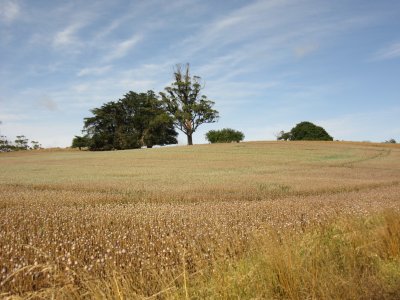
(138, 218)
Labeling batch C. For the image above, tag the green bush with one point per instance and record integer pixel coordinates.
(226, 135)
(391, 141)
(305, 131)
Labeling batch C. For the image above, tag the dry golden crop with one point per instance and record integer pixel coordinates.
(71, 217)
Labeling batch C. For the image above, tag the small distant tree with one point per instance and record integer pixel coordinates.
(283, 136)
(80, 142)
(21, 142)
(226, 135)
(185, 104)
(3, 140)
(36, 145)
(391, 141)
(5, 145)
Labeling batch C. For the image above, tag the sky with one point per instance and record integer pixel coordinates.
(268, 65)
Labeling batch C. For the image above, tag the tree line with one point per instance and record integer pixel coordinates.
(20, 143)
(148, 119)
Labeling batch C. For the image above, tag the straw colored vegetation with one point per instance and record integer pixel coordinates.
(291, 220)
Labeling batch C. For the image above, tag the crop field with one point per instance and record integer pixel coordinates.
(185, 222)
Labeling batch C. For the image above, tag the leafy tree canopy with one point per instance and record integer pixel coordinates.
(80, 142)
(226, 135)
(283, 135)
(391, 141)
(305, 131)
(185, 103)
(136, 120)
(20, 143)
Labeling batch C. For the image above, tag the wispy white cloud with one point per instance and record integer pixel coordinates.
(9, 117)
(241, 49)
(67, 36)
(118, 82)
(68, 25)
(94, 71)
(231, 94)
(80, 88)
(122, 48)
(111, 27)
(135, 10)
(257, 21)
(305, 49)
(137, 85)
(261, 35)
(49, 136)
(48, 103)
(9, 10)
(390, 52)
(363, 126)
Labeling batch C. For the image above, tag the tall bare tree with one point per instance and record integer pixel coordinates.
(185, 103)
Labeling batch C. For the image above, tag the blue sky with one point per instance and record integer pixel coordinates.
(267, 64)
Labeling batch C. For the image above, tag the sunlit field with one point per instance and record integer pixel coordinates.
(250, 220)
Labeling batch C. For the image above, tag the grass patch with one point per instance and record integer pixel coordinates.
(347, 259)
(249, 220)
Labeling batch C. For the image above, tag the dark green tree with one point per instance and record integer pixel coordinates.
(160, 131)
(305, 131)
(391, 141)
(185, 103)
(5, 145)
(152, 122)
(283, 136)
(132, 122)
(21, 142)
(101, 129)
(226, 135)
(80, 142)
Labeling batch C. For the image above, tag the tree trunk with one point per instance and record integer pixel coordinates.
(189, 139)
